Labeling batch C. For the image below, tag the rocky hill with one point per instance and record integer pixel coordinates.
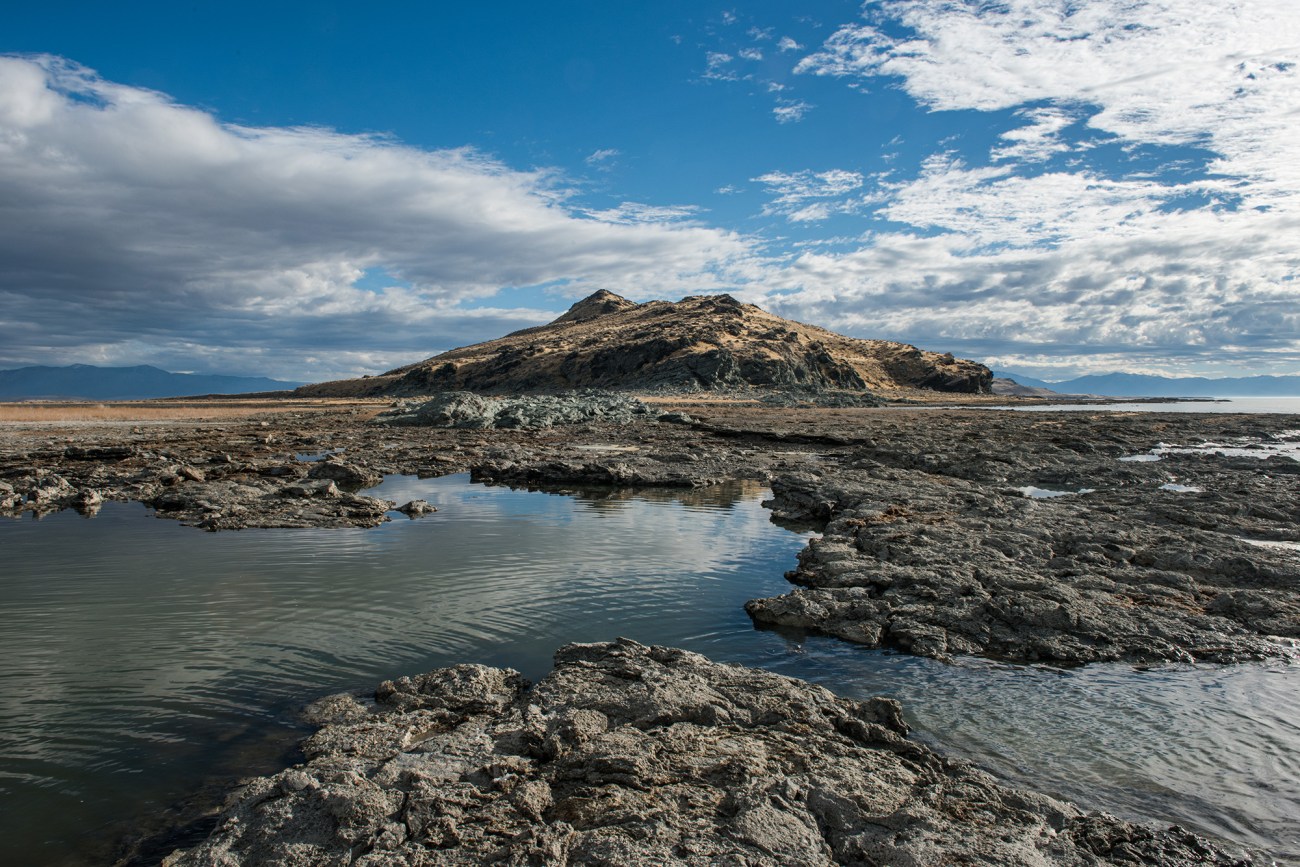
(703, 342)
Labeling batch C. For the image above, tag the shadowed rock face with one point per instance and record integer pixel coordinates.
(635, 755)
(709, 342)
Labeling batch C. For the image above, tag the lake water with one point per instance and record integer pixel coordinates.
(1270, 405)
(143, 659)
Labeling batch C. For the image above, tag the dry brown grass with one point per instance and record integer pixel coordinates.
(156, 411)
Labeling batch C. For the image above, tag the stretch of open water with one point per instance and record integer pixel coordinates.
(142, 659)
(1270, 405)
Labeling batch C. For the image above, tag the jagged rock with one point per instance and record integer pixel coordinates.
(635, 755)
(709, 342)
(192, 474)
(347, 475)
(922, 557)
(99, 453)
(87, 501)
(416, 508)
(461, 409)
(313, 488)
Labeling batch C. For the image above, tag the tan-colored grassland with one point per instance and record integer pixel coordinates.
(171, 410)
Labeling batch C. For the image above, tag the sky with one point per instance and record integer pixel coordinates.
(312, 191)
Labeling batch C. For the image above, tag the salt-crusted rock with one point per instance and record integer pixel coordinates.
(635, 755)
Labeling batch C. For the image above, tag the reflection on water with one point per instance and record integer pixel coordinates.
(142, 657)
(1037, 493)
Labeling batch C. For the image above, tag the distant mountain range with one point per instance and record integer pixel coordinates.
(88, 382)
(1143, 385)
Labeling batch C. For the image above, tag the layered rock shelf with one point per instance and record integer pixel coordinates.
(635, 755)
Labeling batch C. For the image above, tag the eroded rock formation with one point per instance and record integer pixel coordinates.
(635, 755)
(709, 342)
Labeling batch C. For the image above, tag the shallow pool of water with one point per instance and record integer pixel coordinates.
(1037, 493)
(143, 658)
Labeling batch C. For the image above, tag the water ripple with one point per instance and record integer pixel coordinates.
(142, 657)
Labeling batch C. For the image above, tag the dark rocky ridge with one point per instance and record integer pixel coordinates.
(707, 342)
(634, 755)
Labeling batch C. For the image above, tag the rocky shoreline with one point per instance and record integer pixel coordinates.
(1026, 537)
(635, 755)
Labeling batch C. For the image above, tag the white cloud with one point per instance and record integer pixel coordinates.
(1092, 259)
(603, 157)
(1037, 140)
(751, 54)
(790, 110)
(1169, 72)
(796, 187)
(806, 196)
(788, 44)
(127, 220)
(718, 66)
(639, 213)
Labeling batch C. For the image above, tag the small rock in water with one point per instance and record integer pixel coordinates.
(415, 508)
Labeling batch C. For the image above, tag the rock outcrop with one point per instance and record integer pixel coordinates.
(706, 342)
(464, 409)
(635, 755)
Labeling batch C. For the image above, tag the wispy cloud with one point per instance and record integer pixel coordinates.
(127, 219)
(1018, 250)
(718, 66)
(639, 213)
(603, 157)
(807, 196)
(1039, 139)
(790, 110)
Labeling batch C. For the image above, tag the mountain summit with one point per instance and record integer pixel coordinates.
(708, 342)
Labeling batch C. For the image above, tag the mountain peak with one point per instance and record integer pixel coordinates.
(599, 303)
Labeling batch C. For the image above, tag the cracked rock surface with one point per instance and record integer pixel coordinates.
(635, 755)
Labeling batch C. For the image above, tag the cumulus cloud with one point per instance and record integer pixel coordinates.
(136, 229)
(1024, 256)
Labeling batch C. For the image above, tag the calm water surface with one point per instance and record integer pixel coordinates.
(142, 658)
(1270, 405)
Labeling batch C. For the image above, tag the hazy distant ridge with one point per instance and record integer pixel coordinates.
(88, 382)
(1144, 385)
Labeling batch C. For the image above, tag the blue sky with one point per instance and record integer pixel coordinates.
(315, 190)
